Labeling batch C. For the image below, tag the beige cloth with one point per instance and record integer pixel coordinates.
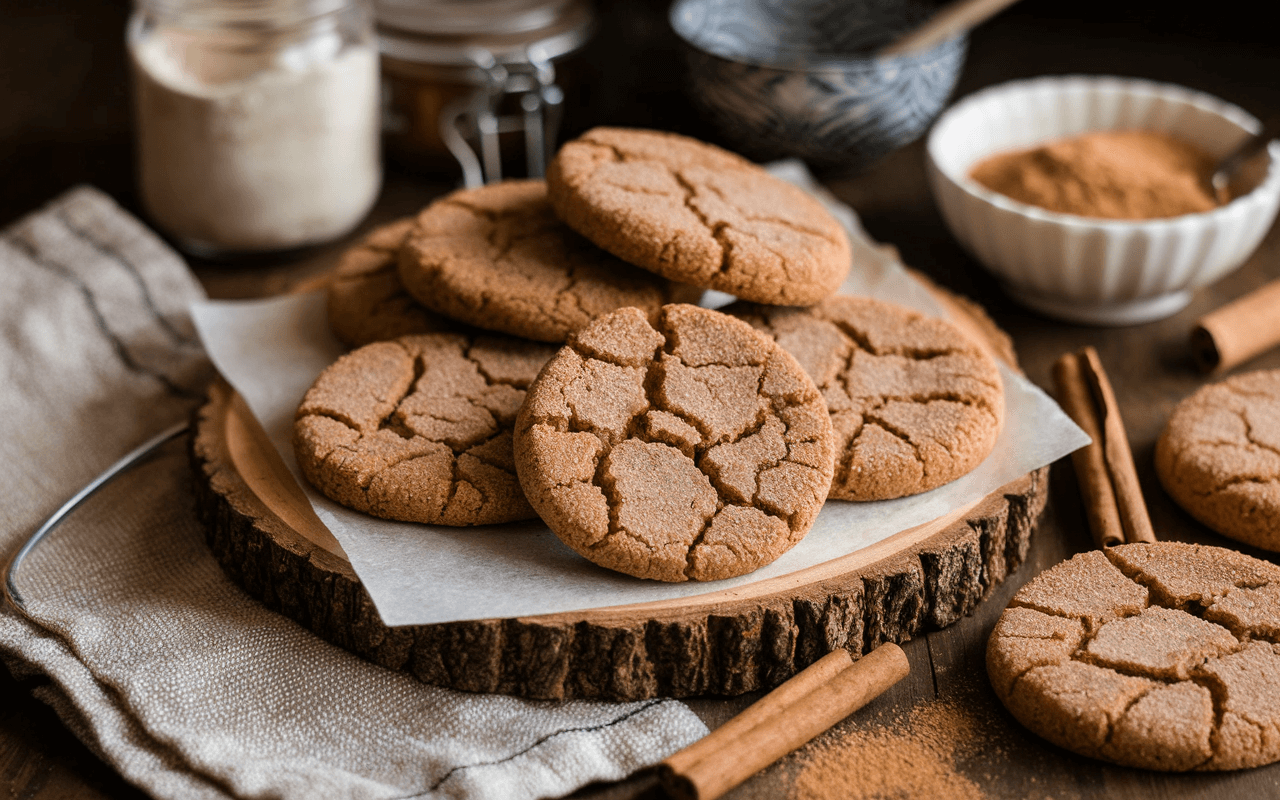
(157, 662)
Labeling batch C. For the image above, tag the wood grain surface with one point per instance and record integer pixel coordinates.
(65, 120)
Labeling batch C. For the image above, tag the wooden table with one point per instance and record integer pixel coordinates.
(65, 120)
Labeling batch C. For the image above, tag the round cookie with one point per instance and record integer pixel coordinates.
(691, 449)
(1219, 457)
(1162, 656)
(914, 402)
(366, 300)
(698, 214)
(418, 428)
(496, 257)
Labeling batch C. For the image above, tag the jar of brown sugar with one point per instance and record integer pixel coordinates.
(465, 82)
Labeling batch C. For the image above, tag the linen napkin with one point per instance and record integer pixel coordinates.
(157, 661)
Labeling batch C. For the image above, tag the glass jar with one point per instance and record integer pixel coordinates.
(257, 121)
(464, 80)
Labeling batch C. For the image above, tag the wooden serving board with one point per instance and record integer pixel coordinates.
(262, 530)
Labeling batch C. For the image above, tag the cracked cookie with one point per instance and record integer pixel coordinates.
(1219, 457)
(698, 214)
(366, 300)
(498, 258)
(1163, 656)
(914, 402)
(691, 449)
(418, 429)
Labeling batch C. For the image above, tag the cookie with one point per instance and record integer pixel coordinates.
(366, 300)
(1219, 457)
(691, 449)
(418, 428)
(915, 403)
(698, 214)
(497, 258)
(1162, 656)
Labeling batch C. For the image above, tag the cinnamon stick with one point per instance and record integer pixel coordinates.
(1090, 464)
(820, 696)
(768, 707)
(1114, 504)
(1242, 329)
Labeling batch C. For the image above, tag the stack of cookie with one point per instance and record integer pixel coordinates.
(527, 349)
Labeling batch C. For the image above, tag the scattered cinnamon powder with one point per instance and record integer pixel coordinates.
(1109, 174)
(913, 757)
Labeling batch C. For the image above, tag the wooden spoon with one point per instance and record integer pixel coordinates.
(1220, 179)
(950, 20)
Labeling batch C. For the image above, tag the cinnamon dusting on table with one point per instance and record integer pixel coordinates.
(1110, 174)
(916, 756)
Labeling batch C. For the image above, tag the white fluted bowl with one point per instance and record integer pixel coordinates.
(1082, 269)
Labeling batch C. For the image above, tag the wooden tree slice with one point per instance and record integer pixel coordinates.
(265, 535)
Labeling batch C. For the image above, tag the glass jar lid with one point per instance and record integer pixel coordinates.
(449, 32)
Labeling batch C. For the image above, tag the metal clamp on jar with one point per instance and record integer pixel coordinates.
(467, 79)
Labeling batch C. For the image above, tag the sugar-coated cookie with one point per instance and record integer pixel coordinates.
(1219, 457)
(698, 214)
(497, 258)
(694, 448)
(915, 403)
(1161, 656)
(418, 428)
(366, 300)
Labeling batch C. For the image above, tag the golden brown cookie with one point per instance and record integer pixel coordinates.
(915, 403)
(1162, 656)
(692, 449)
(1219, 457)
(497, 258)
(419, 428)
(698, 214)
(367, 301)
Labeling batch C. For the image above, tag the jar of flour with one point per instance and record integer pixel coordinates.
(257, 120)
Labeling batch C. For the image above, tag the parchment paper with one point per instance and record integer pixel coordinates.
(272, 350)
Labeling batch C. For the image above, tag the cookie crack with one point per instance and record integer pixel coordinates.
(505, 248)
(1248, 432)
(1156, 595)
(487, 462)
(716, 229)
(490, 380)
(336, 417)
(1013, 684)
(1113, 723)
(863, 342)
(570, 290)
(619, 155)
(1218, 697)
(363, 485)
(922, 398)
(630, 189)
(779, 221)
(457, 449)
(697, 540)
(489, 214)
(1085, 622)
(396, 426)
(454, 480)
(1240, 391)
(899, 434)
(1230, 482)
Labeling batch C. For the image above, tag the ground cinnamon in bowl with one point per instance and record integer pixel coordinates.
(1109, 174)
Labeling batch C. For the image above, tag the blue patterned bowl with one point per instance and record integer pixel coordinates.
(795, 78)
